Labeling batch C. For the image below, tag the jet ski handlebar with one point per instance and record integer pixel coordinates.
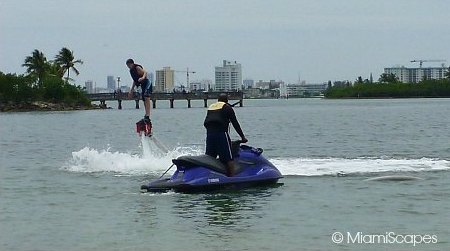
(238, 142)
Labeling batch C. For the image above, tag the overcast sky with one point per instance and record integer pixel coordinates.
(318, 40)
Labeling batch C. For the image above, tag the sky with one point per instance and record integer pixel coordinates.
(311, 40)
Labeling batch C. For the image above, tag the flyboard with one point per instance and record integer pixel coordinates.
(146, 129)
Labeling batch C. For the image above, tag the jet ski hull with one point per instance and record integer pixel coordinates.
(203, 173)
(186, 188)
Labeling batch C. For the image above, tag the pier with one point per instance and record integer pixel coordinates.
(171, 97)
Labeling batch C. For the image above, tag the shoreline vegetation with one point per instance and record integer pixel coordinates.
(46, 86)
(423, 89)
(389, 86)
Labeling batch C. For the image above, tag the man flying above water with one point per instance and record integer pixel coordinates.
(140, 78)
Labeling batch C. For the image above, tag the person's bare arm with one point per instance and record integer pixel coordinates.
(142, 73)
(130, 93)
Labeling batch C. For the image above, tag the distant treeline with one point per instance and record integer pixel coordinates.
(44, 81)
(426, 88)
(19, 88)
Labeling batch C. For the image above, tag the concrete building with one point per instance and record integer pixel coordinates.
(89, 85)
(261, 93)
(197, 86)
(415, 75)
(283, 90)
(164, 80)
(111, 83)
(208, 84)
(272, 84)
(228, 77)
(248, 83)
(306, 90)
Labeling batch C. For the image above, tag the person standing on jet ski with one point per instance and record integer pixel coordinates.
(218, 140)
(140, 78)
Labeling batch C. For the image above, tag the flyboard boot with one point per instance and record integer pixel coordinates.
(144, 126)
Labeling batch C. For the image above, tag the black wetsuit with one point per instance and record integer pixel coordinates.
(217, 122)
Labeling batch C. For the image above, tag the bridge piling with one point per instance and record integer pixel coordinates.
(137, 103)
(103, 103)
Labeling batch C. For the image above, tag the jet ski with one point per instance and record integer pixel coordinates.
(205, 173)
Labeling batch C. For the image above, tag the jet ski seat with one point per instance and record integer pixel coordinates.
(205, 161)
(201, 160)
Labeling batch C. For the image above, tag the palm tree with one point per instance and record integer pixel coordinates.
(67, 62)
(447, 74)
(55, 70)
(37, 65)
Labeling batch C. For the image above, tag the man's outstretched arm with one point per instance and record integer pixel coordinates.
(235, 122)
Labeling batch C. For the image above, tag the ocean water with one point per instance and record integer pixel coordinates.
(70, 180)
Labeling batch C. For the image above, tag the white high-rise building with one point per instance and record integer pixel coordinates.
(228, 77)
(165, 80)
(283, 90)
(111, 83)
(89, 85)
(415, 75)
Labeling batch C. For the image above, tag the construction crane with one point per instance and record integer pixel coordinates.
(187, 75)
(420, 61)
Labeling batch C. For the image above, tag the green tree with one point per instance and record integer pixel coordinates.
(388, 78)
(67, 62)
(37, 65)
(15, 88)
(55, 70)
(359, 80)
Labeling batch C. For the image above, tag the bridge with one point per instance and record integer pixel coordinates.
(188, 96)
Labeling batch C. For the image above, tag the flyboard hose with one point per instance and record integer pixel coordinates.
(170, 167)
(159, 144)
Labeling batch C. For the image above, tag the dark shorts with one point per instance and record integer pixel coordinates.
(219, 143)
(146, 89)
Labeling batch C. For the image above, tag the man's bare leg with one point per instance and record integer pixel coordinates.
(147, 106)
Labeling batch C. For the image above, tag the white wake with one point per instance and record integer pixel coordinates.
(332, 166)
(154, 160)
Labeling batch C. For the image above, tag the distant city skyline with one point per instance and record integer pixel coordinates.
(315, 41)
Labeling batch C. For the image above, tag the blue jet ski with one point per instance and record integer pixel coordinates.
(205, 173)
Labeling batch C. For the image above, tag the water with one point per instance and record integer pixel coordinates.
(70, 180)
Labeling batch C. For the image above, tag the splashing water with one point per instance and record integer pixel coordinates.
(153, 159)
